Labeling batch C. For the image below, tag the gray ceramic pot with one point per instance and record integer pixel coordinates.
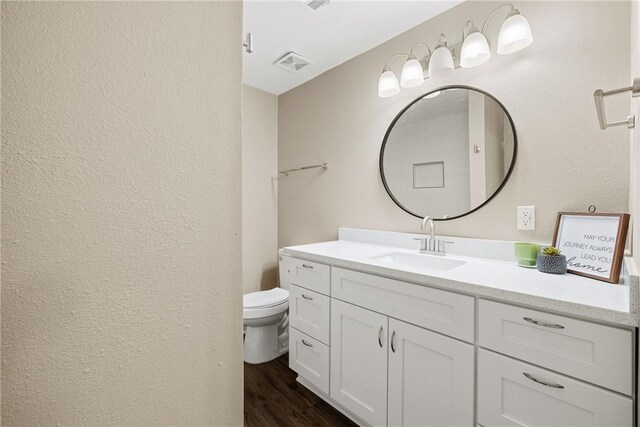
(553, 264)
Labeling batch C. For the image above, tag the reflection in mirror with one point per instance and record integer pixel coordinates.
(448, 153)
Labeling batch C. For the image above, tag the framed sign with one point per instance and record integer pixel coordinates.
(593, 243)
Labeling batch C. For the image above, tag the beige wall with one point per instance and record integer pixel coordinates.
(259, 190)
(121, 213)
(564, 161)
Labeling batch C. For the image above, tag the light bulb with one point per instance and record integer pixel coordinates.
(412, 73)
(515, 34)
(388, 84)
(475, 50)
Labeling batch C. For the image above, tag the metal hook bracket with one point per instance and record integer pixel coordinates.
(599, 96)
(248, 43)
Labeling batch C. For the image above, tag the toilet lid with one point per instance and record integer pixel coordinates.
(265, 298)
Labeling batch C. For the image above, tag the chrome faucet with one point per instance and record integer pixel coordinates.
(432, 232)
(430, 245)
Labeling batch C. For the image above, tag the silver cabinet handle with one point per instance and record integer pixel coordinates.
(306, 297)
(380, 336)
(307, 266)
(532, 378)
(545, 324)
(307, 344)
(393, 341)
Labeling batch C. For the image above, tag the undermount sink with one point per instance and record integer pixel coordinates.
(429, 262)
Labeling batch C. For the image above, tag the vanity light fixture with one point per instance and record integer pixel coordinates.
(388, 83)
(412, 73)
(475, 47)
(441, 61)
(515, 34)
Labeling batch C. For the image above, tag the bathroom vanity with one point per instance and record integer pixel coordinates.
(392, 337)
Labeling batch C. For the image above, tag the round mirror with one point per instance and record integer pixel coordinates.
(448, 153)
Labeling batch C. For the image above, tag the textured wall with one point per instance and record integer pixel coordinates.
(564, 161)
(259, 190)
(121, 163)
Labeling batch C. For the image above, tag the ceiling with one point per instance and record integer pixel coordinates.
(329, 36)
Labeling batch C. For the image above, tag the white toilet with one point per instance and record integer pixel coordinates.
(266, 325)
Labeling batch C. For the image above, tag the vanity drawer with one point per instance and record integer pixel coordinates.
(309, 312)
(595, 353)
(441, 311)
(307, 274)
(513, 393)
(309, 358)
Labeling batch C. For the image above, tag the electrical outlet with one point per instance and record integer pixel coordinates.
(526, 217)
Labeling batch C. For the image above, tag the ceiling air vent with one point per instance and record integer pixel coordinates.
(315, 4)
(292, 61)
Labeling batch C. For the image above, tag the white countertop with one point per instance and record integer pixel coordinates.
(496, 279)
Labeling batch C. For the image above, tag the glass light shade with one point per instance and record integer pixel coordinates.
(475, 50)
(515, 34)
(441, 62)
(388, 84)
(412, 73)
(433, 94)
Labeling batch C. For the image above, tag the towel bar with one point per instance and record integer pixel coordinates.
(599, 95)
(325, 166)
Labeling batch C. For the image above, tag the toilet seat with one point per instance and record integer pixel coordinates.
(256, 305)
(268, 298)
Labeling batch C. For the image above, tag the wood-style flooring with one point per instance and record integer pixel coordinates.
(272, 397)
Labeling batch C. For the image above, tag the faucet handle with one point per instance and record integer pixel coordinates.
(423, 246)
(442, 243)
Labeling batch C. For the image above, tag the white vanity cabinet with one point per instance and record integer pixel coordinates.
(431, 378)
(392, 353)
(382, 367)
(310, 359)
(309, 307)
(441, 311)
(309, 313)
(595, 353)
(566, 370)
(514, 393)
(359, 340)
(306, 274)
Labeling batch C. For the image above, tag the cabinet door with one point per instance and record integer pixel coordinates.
(431, 378)
(309, 358)
(359, 361)
(309, 312)
(309, 275)
(514, 393)
(599, 354)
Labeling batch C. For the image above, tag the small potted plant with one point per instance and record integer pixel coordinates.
(550, 260)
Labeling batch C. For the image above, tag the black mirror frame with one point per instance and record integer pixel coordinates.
(397, 117)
